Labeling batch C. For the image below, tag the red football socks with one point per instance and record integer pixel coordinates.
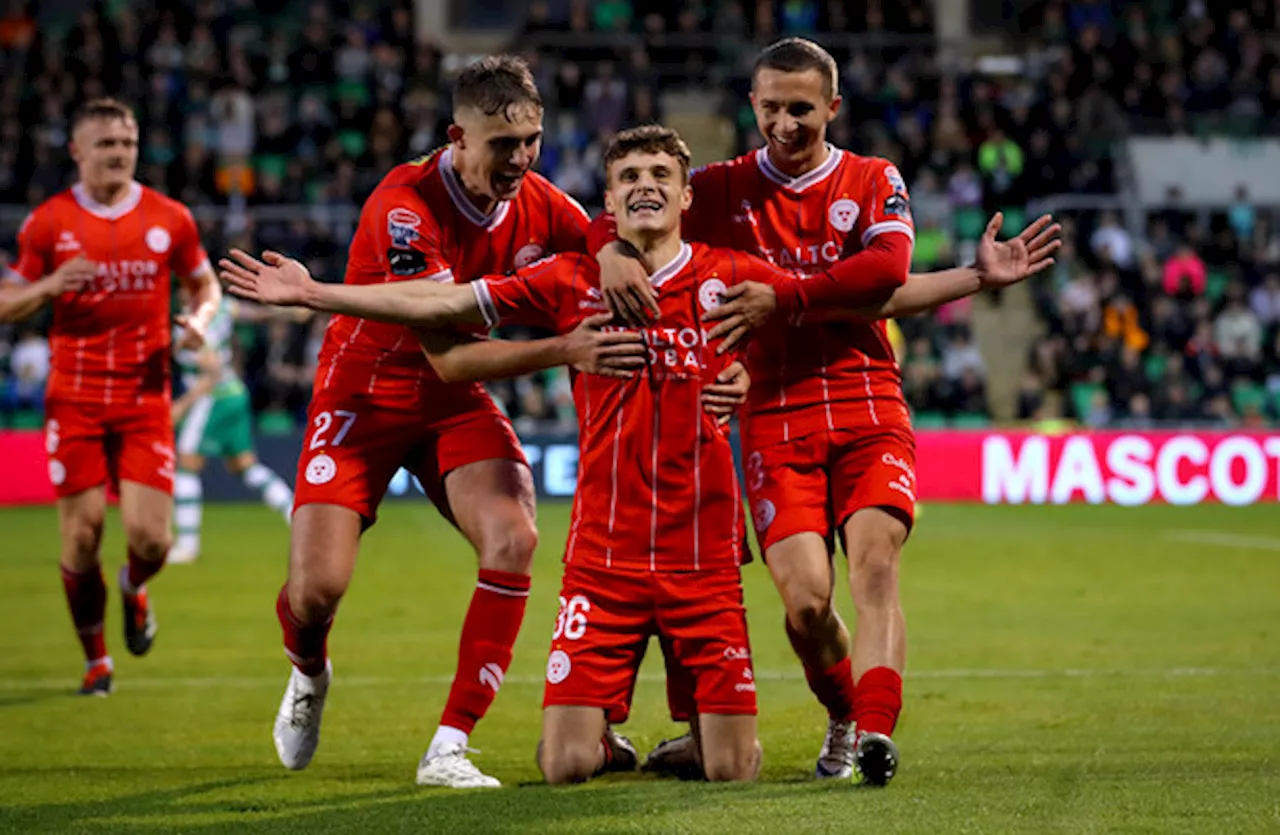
(140, 571)
(87, 598)
(833, 686)
(306, 644)
(878, 701)
(834, 689)
(484, 651)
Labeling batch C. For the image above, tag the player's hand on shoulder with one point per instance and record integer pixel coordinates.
(593, 350)
(743, 307)
(71, 276)
(624, 282)
(1003, 263)
(723, 397)
(273, 280)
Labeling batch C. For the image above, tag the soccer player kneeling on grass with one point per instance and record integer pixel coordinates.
(657, 536)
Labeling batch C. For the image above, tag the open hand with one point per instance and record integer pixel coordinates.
(281, 281)
(1003, 263)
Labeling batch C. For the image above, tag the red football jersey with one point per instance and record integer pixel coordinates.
(820, 376)
(110, 340)
(657, 490)
(419, 223)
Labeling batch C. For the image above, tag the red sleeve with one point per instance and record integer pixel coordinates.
(405, 236)
(888, 207)
(860, 280)
(602, 232)
(538, 295)
(188, 256)
(569, 223)
(35, 246)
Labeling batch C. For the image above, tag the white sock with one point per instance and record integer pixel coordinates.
(446, 736)
(106, 659)
(275, 492)
(188, 494)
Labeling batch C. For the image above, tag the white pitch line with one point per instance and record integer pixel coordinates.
(247, 682)
(1224, 538)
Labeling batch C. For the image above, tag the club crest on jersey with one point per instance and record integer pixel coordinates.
(402, 227)
(528, 254)
(558, 666)
(763, 513)
(321, 469)
(843, 214)
(158, 239)
(711, 293)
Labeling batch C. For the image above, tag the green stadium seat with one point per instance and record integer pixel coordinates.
(1015, 218)
(1082, 395)
(353, 143)
(271, 164)
(970, 224)
(276, 422)
(1245, 396)
(26, 419)
(1216, 282)
(1154, 366)
(930, 245)
(929, 420)
(970, 421)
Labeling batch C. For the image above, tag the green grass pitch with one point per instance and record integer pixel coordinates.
(1071, 670)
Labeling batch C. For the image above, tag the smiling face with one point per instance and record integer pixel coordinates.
(494, 152)
(105, 149)
(646, 192)
(792, 111)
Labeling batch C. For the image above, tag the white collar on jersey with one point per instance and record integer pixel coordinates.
(112, 212)
(673, 267)
(458, 195)
(798, 184)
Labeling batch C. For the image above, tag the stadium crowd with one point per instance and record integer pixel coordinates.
(274, 120)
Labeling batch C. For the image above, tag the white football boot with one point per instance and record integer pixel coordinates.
(449, 767)
(297, 729)
(836, 758)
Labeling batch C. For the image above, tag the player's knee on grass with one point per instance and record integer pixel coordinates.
(148, 539)
(569, 761)
(730, 749)
(323, 545)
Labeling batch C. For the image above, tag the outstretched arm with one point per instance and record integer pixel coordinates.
(998, 264)
(286, 282)
(837, 294)
(460, 357)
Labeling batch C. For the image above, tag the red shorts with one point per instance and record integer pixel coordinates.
(814, 483)
(91, 444)
(607, 617)
(354, 445)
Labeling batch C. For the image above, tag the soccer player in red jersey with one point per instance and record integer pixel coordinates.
(827, 434)
(469, 209)
(102, 253)
(657, 531)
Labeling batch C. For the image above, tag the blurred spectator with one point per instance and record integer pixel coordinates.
(29, 361)
(1112, 241)
(1237, 333)
(961, 355)
(1185, 273)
